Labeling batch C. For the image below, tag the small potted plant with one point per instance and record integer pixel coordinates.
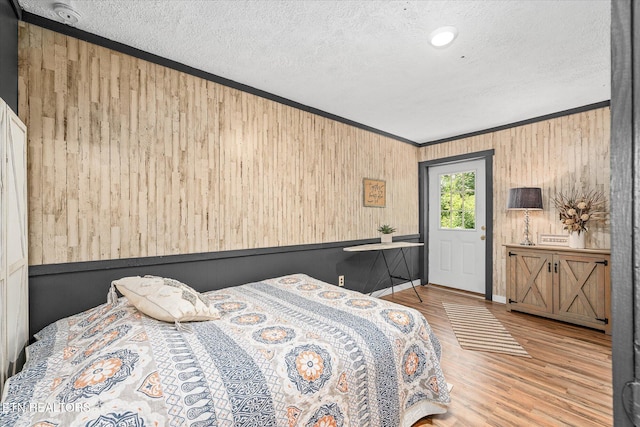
(387, 232)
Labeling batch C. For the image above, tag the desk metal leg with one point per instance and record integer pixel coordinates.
(386, 264)
(371, 273)
(380, 249)
(409, 277)
(406, 264)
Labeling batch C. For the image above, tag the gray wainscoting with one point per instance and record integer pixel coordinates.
(60, 290)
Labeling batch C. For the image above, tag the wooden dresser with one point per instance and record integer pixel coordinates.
(572, 285)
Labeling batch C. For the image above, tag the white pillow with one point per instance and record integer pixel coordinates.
(166, 299)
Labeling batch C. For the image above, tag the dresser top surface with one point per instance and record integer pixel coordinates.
(559, 249)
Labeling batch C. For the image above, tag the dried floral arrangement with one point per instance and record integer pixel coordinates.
(577, 209)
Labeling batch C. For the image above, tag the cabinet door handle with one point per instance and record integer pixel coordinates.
(555, 267)
(549, 267)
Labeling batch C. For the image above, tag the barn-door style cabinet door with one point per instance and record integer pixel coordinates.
(14, 299)
(529, 283)
(572, 285)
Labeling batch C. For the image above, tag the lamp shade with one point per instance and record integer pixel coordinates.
(525, 198)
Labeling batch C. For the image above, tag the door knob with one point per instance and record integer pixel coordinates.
(483, 237)
(483, 228)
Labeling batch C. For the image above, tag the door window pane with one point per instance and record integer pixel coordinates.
(458, 201)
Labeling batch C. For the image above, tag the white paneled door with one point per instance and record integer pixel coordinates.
(3, 252)
(457, 216)
(17, 265)
(14, 304)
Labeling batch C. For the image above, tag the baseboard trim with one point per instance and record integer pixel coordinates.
(396, 288)
(500, 299)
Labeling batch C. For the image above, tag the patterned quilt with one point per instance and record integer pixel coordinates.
(290, 351)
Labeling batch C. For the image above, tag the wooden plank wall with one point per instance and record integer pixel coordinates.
(556, 155)
(130, 159)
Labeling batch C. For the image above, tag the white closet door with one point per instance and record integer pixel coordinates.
(17, 334)
(14, 278)
(4, 364)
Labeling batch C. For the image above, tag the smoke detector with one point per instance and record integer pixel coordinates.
(65, 12)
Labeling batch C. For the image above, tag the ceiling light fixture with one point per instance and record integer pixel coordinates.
(65, 12)
(443, 36)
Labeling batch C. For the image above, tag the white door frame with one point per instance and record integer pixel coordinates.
(423, 174)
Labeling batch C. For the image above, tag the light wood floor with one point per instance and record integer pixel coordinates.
(567, 382)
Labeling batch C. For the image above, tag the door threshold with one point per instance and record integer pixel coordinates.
(457, 291)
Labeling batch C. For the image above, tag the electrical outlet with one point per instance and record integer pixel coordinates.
(340, 280)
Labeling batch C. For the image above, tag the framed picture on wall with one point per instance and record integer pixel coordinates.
(375, 193)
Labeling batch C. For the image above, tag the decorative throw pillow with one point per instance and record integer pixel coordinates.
(166, 299)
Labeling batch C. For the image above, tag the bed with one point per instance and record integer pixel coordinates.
(289, 351)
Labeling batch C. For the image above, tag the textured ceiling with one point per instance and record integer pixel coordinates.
(370, 61)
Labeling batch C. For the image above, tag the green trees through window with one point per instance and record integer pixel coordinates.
(458, 201)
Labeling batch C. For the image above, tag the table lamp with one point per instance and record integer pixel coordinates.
(525, 198)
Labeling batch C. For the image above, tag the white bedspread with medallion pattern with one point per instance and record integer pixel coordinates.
(290, 351)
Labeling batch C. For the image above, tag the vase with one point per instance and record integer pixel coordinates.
(386, 238)
(576, 239)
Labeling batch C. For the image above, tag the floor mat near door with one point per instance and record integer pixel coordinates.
(477, 329)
